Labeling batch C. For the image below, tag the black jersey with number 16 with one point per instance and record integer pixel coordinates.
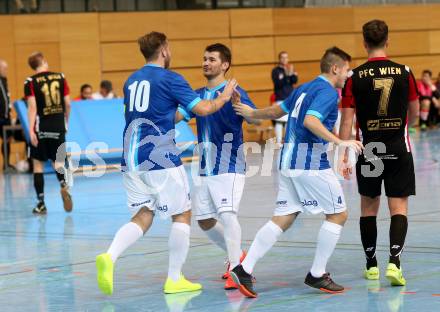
(49, 89)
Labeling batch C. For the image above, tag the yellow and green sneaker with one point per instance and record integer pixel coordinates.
(179, 286)
(372, 273)
(104, 273)
(394, 275)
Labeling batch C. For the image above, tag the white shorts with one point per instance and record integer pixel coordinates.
(311, 191)
(216, 194)
(164, 191)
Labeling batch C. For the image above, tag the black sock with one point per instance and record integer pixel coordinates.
(60, 176)
(398, 229)
(368, 228)
(39, 186)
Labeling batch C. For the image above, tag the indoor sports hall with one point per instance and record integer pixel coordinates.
(48, 259)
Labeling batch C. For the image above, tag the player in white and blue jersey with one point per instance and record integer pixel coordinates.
(307, 184)
(217, 194)
(151, 164)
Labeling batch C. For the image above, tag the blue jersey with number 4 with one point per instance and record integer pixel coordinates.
(151, 97)
(302, 149)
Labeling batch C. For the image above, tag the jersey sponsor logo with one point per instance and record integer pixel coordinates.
(142, 203)
(306, 203)
(281, 203)
(384, 124)
(163, 208)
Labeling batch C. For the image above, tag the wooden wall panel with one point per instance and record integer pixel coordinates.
(254, 77)
(80, 62)
(51, 52)
(261, 99)
(433, 16)
(420, 63)
(118, 79)
(198, 24)
(189, 53)
(194, 76)
(7, 51)
(251, 22)
(79, 27)
(121, 56)
(253, 50)
(398, 17)
(307, 71)
(399, 43)
(312, 21)
(114, 27)
(36, 28)
(80, 50)
(309, 48)
(434, 41)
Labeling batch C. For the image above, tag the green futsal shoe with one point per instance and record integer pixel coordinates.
(104, 273)
(372, 273)
(394, 275)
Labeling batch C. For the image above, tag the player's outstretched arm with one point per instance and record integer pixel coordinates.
(272, 112)
(236, 100)
(208, 107)
(315, 125)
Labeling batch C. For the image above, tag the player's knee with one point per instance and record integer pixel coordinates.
(184, 217)
(143, 218)
(338, 218)
(228, 217)
(285, 222)
(207, 224)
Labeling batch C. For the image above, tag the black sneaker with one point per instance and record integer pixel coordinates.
(40, 209)
(323, 283)
(244, 281)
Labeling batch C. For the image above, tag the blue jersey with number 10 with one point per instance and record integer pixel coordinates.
(151, 97)
(303, 149)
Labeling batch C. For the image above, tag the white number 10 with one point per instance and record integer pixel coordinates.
(139, 95)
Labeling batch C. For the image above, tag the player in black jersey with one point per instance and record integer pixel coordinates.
(381, 93)
(47, 95)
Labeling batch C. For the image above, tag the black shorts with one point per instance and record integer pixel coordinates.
(398, 176)
(48, 147)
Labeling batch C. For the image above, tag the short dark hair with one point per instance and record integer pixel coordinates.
(106, 84)
(375, 33)
(223, 51)
(427, 71)
(150, 43)
(281, 53)
(35, 60)
(332, 56)
(85, 86)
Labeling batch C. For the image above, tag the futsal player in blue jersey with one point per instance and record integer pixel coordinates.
(217, 194)
(306, 181)
(154, 177)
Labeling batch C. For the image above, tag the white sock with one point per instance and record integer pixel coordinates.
(178, 244)
(127, 235)
(232, 234)
(264, 240)
(327, 239)
(216, 235)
